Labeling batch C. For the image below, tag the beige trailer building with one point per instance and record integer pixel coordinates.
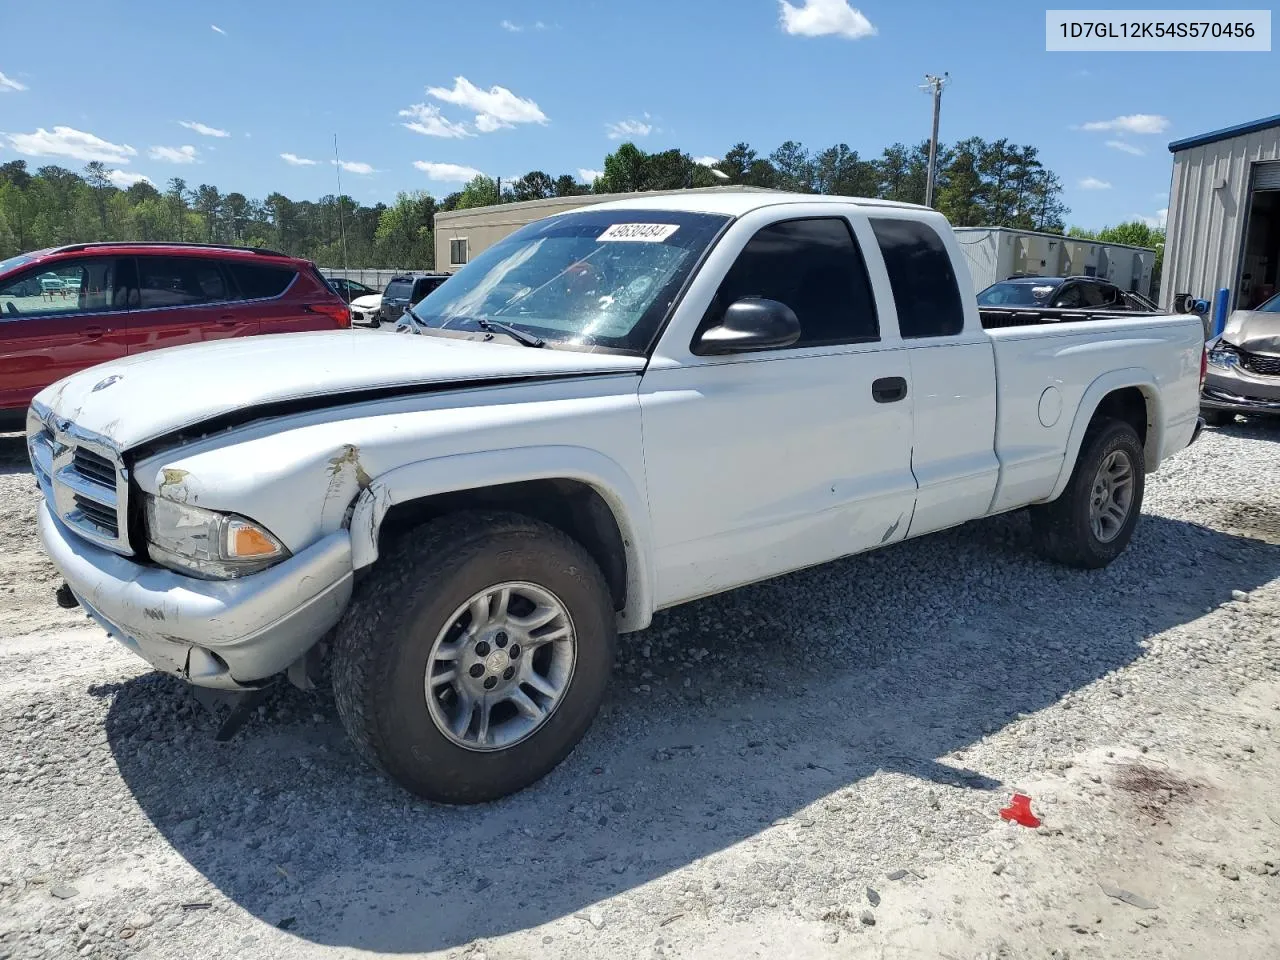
(1224, 215)
(462, 234)
(997, 253)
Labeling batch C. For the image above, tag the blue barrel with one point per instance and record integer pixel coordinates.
(1220, 311)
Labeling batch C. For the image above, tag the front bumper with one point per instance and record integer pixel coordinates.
(225, 634)
(1239, 391)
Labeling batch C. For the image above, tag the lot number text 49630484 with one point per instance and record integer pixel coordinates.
(1136, 30)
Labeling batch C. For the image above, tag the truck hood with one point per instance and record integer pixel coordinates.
(1254, 331)
(150, 395)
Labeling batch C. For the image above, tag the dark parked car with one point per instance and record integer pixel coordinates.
(348, 290)
(67, 308)
(404, 292)
(1244, 366)
(1063, 293)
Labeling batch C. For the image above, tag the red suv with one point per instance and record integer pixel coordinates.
(68, 308)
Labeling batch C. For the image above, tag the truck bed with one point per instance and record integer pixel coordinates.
(995, 318)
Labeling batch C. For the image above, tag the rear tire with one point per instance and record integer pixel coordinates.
(436, 609)
(1091, 523)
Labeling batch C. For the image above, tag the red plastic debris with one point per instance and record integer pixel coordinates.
(1019, 811)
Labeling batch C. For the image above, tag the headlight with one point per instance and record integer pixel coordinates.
(1224, 355)
(207, 544)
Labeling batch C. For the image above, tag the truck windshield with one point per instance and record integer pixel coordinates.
(584, 279)
(1019, 293)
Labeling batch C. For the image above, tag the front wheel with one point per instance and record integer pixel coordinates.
(477, 660)
(1091, 523)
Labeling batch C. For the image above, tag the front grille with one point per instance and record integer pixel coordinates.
(99, 514)
(1257, 363)
(83, 481)
(94, 466)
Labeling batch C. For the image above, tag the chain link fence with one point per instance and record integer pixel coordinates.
(377, 278)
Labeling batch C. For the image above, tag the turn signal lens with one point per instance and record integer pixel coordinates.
(245, 541)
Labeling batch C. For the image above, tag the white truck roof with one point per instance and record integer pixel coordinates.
(739, 203)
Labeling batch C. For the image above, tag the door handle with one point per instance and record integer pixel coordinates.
(226, 321)
(93, 332)
(889, 389)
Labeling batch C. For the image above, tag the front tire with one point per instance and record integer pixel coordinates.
(1091, 523)
(477, 658)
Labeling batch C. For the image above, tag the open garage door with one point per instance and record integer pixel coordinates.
(1261, 255)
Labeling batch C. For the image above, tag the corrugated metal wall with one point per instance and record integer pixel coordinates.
(1206, 223)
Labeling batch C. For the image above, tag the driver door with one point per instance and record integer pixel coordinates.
(761, 463)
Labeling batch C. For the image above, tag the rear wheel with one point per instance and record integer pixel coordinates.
(1091, 523)
(478, 658)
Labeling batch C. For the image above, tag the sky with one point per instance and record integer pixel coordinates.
(422, 95)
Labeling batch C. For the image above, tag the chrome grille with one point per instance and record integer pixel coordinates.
(83, 481)
(1257, 363)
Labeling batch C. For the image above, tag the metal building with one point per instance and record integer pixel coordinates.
(1224, 215)
(997, 253)
(462, 234)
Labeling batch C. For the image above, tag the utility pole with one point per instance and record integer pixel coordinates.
(934, 84)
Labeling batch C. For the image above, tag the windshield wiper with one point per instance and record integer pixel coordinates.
(519, 336)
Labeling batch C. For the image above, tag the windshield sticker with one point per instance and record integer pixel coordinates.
(638, 233)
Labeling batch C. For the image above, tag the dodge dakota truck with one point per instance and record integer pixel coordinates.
(610, 412)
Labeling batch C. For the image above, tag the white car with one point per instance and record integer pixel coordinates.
(612, 411)
(367, 310)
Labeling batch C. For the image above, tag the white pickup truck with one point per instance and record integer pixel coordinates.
(612, 411)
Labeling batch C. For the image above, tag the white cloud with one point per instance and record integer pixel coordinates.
(125, 180)
(218, 29)
(706, 161)
(447, 172)
(1093, 183)
(8, 85)
(1126, 148)
(68, 142)
(825, 18)
(628, 128)
(510, 27)
(495, 108)
(296, 161)
(183, 154)
(355, 166)
(202, 129)
(1133, 123)
(428, 121)
(1160, 220)
(589, 176)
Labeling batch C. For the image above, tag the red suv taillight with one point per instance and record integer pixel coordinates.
(1204, 365)
(340, 312)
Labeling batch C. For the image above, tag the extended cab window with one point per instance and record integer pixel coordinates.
(66, 287)
(922, 277)
(813, 266)
(180, 282)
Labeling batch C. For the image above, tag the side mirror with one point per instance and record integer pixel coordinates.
(749, 325)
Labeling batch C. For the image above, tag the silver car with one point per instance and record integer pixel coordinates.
(1244, 366)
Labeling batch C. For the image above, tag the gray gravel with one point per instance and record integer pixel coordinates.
(767, 761)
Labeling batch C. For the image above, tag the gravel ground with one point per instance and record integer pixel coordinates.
(811, 767)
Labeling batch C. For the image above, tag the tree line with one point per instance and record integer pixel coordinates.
(979, 183)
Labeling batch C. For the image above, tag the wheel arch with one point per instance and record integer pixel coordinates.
(1129, 395)
(580, 491)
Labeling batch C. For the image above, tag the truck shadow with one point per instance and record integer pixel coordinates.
(13, 453)
(727, 716)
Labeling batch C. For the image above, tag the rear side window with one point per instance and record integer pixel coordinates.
(397, 290)
(257, 281)
(1070, 296)
(816, 269)
(180, 282)
(922, 277)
